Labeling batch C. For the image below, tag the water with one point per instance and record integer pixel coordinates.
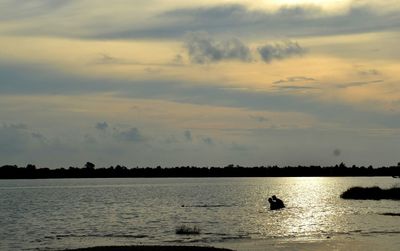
(71, 213)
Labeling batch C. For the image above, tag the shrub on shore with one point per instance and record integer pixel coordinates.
(183, 229)
(371, 193)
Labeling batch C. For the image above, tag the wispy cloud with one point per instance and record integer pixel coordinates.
(368, 72)
(294, 79)
(188, 135)
(28, 80)
(15, 138)
(104, 58)
(130, 135)
(102, 126)
(359, 83)
(259, 118)
(296, 87)
(208, 140)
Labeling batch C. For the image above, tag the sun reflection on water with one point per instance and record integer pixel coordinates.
(309, 208)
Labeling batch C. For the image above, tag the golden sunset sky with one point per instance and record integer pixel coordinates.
(156, 82)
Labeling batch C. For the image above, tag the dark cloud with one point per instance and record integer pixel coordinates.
(130, 135)
(209, 141)
(203, 49)
(39, 136)
(188, 135)
(101, 126)
(280, 51)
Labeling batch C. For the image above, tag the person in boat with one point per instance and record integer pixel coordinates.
(275, 203)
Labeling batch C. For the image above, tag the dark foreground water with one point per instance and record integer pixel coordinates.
(56, 214)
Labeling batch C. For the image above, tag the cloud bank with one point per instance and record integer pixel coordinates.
(202, 49)
(174, 22)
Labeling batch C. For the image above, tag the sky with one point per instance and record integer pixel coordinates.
(205, 83)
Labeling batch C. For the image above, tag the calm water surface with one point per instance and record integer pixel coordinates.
(69, 213)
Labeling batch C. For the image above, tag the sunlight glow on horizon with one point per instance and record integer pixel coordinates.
(328, 5)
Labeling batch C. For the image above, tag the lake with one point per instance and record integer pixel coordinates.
(71, 213)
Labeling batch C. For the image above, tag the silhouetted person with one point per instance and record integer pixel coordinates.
(275, 203)
(272, 204)
(279, 203)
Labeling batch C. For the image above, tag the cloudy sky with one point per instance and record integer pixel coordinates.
(161, 82)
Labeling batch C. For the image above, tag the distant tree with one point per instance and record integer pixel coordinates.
(121, 168)
(89, 171)
(31, 167)
(89, 165)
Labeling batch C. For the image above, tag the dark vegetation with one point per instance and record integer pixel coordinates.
(89, 171)
(391, 214)
(371, 193)
(183, 229)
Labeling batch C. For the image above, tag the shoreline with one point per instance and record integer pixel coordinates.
(150, 248)
(359, 243)
(389, 242)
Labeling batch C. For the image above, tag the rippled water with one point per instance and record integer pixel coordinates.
(69, 213)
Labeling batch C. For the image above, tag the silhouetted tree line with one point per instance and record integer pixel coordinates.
(89, 171)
